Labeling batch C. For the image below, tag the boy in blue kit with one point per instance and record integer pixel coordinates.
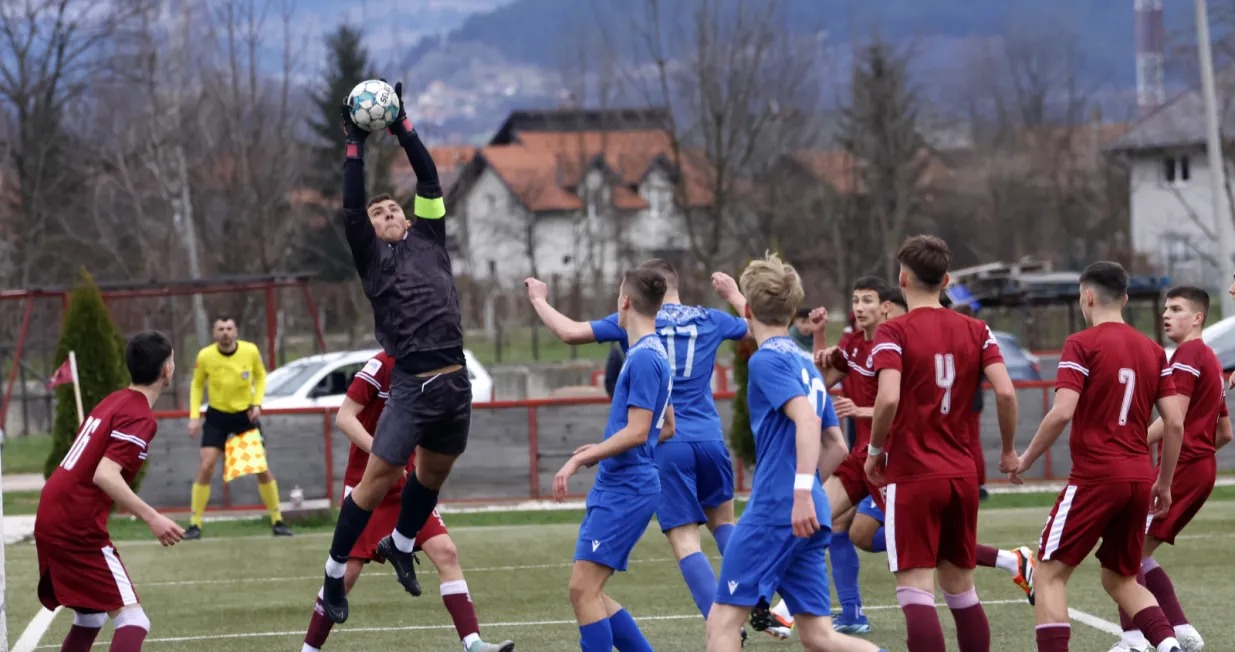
(624, 496)
(780, 544)
(696, 474)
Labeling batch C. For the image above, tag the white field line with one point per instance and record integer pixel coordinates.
(34, 632)
(410, 628)
(1095, 622)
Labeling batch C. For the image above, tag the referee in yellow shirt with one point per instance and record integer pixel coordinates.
(236, 377)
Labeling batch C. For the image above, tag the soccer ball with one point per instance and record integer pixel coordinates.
(373, 104)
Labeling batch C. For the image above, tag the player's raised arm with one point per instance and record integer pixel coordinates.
(361, 237)
(565, 328)
(429, 207)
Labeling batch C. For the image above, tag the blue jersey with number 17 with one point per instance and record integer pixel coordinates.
(692, 337)
(644, 383)
(777, 373)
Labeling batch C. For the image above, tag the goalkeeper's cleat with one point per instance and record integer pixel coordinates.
(193, 533)
(1189, 639)
(334, 599)
(280, 529)
(404, 564)
(481, 646)
(1026, 565)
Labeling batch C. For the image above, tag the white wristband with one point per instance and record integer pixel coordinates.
(803, 481)
(871, 451)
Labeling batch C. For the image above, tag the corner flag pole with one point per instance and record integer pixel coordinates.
(76, 387)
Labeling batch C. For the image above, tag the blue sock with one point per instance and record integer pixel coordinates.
(697, 571)
(879, 543)
(722, 535)
(597, 637)
(845, 567)
(626, 634)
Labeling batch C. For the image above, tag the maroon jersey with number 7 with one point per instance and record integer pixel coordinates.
(1119, 374)
(940, 354)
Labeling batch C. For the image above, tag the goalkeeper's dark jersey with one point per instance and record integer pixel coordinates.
(410, 284)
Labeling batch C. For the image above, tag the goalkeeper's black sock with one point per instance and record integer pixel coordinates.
(347, 531)
(417, 504)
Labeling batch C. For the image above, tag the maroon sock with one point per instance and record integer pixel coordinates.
(1158, 583)
(1054, 638)
(1153, 624)
(987, 556)
(461, 609)
(925, 632)
(1125, 621)
(973, 631)
(128, 639)
(79, 639)
(319, 627)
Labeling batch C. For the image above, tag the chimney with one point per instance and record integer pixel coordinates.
(1150, 56)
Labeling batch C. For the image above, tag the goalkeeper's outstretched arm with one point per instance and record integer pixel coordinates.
(430, 207)
(361, 237)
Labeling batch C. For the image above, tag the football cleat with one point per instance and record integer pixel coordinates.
(1026, 565)
(334, 599)
(743, 632)
(404, 564)
(193, 533)
(852, 621)
(1189, 639)
(280, 529)
(1133, 642)
(481, 646)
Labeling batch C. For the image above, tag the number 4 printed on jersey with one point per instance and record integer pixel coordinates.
(945, 377)
(79, 446)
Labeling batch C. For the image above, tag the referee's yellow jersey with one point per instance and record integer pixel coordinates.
(237, 380)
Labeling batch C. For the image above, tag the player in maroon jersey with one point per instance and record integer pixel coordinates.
(357, 418)
(929, 363)
(1197, 375)
(79, 567)
(1110, 378)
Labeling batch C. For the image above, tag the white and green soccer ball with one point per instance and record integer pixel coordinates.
(373, 104)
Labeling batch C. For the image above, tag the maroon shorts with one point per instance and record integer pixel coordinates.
(1193, 483)
(929, 521)
(83, 579)
(1115, 513)
(852, 475)
(382, 523)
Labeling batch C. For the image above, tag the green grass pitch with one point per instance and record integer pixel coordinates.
(243, 593)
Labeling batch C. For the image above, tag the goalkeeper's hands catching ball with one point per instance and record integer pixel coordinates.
(402, 126)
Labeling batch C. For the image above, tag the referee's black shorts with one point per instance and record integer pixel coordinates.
(219, 426)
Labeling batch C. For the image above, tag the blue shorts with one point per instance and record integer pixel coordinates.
(869, 508)
(693, 475)
(763, 560)
(613, 525)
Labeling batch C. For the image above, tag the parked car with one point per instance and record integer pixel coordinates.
(1221, 338)
(1022, 365)
(321, 381)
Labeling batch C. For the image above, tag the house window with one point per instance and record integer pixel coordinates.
(1176, 169)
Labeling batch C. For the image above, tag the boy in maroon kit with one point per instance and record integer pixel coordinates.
(929, 364)
(1110, 378)
(357, 418)
(1197, 375)
(78, 566)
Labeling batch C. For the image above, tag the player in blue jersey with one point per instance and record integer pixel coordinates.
(624, 496)
(696, 474)
(780, 544)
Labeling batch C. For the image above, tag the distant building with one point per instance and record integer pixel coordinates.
(1173, 224)
(572, 192)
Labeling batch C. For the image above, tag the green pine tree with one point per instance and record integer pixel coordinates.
(88, 331)
(324, 250)
(741, 438)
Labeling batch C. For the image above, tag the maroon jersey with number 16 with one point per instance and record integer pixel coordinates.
(1119, 374)
(940, 354)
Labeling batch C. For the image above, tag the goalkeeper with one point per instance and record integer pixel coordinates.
(236, 377)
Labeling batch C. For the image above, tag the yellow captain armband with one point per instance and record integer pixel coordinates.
(430, 209)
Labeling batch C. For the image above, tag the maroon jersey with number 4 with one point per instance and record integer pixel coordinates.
(1197, 374)
(940, 354)
(72, 509)
(1119, 374)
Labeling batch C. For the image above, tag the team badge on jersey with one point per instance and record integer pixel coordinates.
(245, 374)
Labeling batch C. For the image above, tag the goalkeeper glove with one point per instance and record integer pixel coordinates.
(355, 136)
(402, 126)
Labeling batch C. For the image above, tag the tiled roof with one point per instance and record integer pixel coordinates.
(1181, 121)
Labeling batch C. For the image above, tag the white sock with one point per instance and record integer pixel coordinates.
(782, 610)
(469, 640)
(1007, 561)
(1168, 645)
(309, 648)
(403, 543)
(334, 568)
